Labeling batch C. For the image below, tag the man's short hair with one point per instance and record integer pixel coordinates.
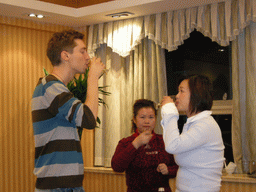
(62, 41)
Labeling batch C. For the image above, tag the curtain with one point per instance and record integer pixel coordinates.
(251, 89)
(140, 75)
(244, 92)
(239, 141)
(222, 22)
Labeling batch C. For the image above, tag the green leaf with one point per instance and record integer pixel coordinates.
(45, 72)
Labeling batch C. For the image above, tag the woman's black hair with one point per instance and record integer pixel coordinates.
(201, 97)
(141, 103)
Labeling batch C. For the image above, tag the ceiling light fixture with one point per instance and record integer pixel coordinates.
(121, 14)
(40, 16)
(32, 15)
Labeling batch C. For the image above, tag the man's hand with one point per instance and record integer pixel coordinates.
(96, 67)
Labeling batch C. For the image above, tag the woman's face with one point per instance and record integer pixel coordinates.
(145, 119)
(183, 97)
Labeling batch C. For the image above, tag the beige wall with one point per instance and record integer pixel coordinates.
(22, 58)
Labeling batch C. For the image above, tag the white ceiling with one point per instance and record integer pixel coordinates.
(93, 14)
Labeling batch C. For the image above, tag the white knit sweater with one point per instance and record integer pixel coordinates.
(198, 150)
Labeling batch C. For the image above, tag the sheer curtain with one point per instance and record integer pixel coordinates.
(244, 92)
(251, 89)
(222, 22)
(140, 75)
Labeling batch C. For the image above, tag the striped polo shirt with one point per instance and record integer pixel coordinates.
(56, 114)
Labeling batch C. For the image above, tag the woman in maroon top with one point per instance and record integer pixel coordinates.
(142, 155)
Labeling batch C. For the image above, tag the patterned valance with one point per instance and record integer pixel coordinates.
(222, 22)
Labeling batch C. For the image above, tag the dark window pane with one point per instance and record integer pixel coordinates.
(199, 55)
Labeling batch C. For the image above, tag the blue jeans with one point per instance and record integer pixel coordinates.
(76, 189)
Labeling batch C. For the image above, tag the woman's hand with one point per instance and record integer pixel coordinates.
(165, 100)
(162, 168)
(142, 139)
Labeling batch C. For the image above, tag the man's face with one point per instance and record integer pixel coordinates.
(79, 59)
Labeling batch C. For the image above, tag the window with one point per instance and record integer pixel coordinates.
(199, 55)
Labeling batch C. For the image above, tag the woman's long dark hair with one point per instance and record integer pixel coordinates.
(141, 103)
(201, 97)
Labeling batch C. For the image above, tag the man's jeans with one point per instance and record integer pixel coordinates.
(76, 189)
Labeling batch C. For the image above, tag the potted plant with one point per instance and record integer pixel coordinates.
(78, 86)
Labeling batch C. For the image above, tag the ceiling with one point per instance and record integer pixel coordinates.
(76, 3)
(77, 13)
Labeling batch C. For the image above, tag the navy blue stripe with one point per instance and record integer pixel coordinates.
(39, 91)
(45, 126)
(68, 157)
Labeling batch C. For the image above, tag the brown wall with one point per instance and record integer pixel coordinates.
(106, 181)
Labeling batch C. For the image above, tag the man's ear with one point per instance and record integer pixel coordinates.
(65, 55)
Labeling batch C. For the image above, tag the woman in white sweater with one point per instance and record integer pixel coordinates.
(199, 149)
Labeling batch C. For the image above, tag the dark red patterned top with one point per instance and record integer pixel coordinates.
(140, 165)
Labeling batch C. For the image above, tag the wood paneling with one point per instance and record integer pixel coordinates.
(105, 181)
(76, 3)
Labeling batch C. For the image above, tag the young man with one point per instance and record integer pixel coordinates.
(56, 113)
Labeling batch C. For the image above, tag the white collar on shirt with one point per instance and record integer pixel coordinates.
(200, 115)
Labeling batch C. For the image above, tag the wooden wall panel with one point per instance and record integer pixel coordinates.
(105, 181)
(237, 187)
(101, 182)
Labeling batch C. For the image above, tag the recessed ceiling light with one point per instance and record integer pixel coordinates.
(32, 15)
(115, 16)
(40, 16)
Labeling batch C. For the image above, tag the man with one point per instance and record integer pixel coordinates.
(56, 113)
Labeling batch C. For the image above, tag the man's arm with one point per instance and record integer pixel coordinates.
(96, 69)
